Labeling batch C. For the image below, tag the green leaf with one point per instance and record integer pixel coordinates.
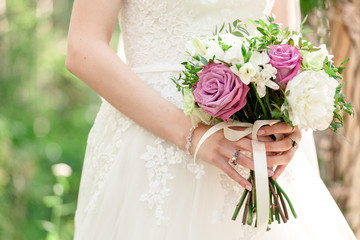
(222, 28)
(290, 42)
(247, 56)
(275, 32)
(262, 31)
(237, 34)
(345, 61)
(306, 31)
(244, 30)
(304, 20)
(204, 60)
(262, 23)
(243, 50)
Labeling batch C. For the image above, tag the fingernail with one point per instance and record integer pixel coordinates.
(248, 187)
(261, 132)
(270, 172)
(275, 176)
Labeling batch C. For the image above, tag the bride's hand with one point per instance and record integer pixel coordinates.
(284, 149)
(217, 150)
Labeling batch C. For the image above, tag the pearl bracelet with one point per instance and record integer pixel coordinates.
(188, 139)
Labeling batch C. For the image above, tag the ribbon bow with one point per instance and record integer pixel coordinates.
(259, 157)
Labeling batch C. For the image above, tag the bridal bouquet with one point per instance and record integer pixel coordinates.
(275, 74)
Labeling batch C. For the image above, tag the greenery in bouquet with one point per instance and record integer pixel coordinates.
(273, 73)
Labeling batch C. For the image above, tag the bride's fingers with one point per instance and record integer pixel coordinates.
(244, 144)
(278, 171)
(232, 173)
(283, 158)
(261, 138)
(280, 146)
(279, 128)
(242, 159)
(229, 151)
(284, 144)
(247, 162)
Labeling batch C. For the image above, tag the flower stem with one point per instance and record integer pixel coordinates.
(238, 206)
(271, 212)
(260, 101)
(246, 209)
(286, 197)
(283, 204)
(277, 202)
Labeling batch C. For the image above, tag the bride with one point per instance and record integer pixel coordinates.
(137, 181)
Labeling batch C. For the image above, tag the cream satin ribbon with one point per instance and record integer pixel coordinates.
(259, 156)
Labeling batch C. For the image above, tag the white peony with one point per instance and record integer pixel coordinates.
(315, 60)
(311, 99)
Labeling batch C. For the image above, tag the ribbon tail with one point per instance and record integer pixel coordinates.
(261, 184)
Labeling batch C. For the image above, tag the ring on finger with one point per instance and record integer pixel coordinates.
(232, 160)
(294, 143)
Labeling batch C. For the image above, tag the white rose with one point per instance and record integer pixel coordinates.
(188, 101)
(315, 60)
(311, 99)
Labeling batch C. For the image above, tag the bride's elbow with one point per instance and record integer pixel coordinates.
(72, 57)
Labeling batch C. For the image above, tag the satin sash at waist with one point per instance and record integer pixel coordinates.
(158, 68)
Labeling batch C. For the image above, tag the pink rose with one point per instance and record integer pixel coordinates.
(286, 59)
(219, 91)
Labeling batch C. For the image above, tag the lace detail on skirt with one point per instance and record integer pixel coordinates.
(101, 151)
(157, 160)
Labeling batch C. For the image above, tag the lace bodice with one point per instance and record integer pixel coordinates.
(155, 31)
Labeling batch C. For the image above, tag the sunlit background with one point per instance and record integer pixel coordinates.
(46, 114)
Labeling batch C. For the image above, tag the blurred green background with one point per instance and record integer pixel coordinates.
(45, 116)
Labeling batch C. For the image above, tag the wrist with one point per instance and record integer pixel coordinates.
(189, 139)
(181, 133)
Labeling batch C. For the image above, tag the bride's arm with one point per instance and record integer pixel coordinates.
(92, 60)
(287, 12)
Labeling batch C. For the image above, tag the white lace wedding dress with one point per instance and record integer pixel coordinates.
(137, 186)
